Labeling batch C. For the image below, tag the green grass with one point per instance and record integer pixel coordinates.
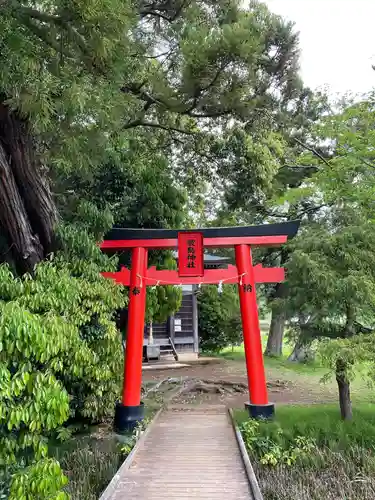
(323, 424)
(338, 464)
(90, 469)
(304, 374)
(237, 353)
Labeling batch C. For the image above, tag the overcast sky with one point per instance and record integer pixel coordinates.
(337, 41)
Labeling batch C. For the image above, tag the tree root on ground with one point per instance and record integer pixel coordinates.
(191, 385)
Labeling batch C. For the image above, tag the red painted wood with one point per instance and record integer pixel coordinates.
(211, 276)
(250, 327)
(190, 254)
(131, 394)
(268, 274)
(207, 242)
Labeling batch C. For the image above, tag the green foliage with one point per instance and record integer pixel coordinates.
(338, 461)
(347, 178)
(134, 436)
(311, 450)
(90, 468)
(219, 318)
(38, 482)
(321, 423)
(87, 76)
(275, 450)
(163, 301)
(135, 187)
(331, 290)
(334, 268)
(60, 358)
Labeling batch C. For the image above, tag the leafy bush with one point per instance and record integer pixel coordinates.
(219, 318)
(308, 452)
(60, 358)
(134, 436)
(322, 423)
(275, 450)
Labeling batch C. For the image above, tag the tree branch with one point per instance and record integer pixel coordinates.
(311, 149)
(145, 96)
(43, 33)
(208, 114)
(25, 14)
(140, 123)
(267, 213)
(145, 13)
(161, 10)
(20, 10)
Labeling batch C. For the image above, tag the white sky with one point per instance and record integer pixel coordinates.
(337, 42)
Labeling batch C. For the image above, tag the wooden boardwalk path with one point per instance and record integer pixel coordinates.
(188, 454)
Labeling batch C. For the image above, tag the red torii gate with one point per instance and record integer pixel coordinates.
(190, 245)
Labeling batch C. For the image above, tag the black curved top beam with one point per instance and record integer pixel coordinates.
(288, 229)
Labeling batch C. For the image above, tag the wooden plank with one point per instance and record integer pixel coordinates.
(253, 481)
(187, 454)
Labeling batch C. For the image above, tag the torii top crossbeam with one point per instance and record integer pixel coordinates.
(264, 235)
(255, 236)
(191, 244)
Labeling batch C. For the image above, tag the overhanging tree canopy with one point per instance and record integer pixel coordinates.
(81, 76)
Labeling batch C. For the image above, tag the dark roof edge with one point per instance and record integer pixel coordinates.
(280, 229)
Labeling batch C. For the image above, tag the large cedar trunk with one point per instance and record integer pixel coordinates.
(276, 332)
(14, 220)
(27, 211)
(344, 390)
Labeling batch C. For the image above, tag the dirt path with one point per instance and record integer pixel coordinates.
(283, 387)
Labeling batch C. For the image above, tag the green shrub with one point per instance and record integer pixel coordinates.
(219, 318)
(322, 423)
(309, 453)
(60, 359)
(275, 450)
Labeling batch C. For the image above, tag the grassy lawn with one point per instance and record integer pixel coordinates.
(308, 452)
(321, 423)
(304, 374)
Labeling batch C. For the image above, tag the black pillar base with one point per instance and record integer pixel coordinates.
(127, 417)
(260, 412)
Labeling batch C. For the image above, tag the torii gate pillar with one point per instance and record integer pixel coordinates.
(258, 406)
(131, 409)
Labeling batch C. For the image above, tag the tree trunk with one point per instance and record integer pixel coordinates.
(344, 390)
(24, 245)
(28, 213)
(301, 352)
(150, 334)
(276, 332)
